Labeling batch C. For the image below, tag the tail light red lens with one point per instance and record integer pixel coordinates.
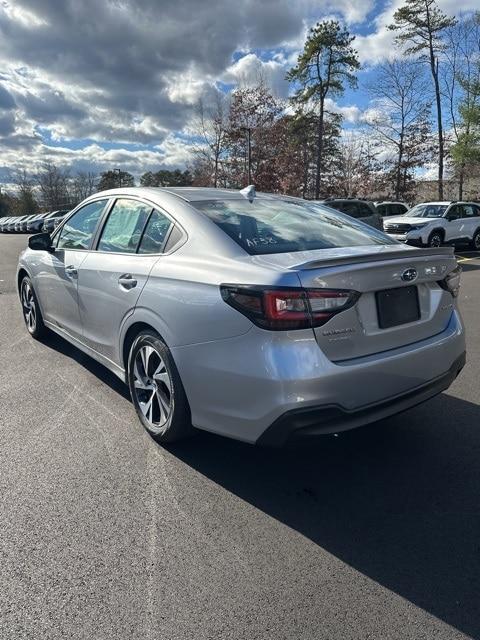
(286, 309)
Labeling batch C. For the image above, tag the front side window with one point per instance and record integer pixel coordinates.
(280, 226)
(124, 227)
(155, 233)
(78, 231)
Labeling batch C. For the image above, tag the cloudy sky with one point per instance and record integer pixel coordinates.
(95, 84)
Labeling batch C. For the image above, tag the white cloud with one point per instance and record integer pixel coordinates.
(250, 69)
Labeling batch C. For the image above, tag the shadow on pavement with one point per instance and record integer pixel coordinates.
(57, 343)
(399, 501)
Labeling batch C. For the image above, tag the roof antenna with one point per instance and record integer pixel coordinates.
(249, 192)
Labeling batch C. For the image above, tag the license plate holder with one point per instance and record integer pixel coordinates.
(397, 306)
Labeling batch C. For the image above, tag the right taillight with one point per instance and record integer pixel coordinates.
(451, 282)
(280, 309)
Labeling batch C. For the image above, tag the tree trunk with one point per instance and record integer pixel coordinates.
(398, 180)
(318, 177)
(438, 100)
(440, 132)
(461, 177)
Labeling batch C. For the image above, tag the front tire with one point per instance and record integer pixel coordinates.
(31, 309)
(156, 389)
(475, 243)
(435, 239)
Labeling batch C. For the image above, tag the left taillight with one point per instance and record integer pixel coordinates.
(287, 309)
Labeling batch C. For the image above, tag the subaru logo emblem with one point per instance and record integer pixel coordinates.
(409, 275)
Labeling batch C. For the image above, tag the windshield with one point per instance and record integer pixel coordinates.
(427, 211)
(280, 226)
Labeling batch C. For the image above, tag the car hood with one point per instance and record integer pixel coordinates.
(408, 220)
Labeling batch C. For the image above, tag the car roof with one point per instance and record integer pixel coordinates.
(444, 202)
(187, 194)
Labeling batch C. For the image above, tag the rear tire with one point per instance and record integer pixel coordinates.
(31, 310)
(475, 243)
(435, 239)
(156, 389)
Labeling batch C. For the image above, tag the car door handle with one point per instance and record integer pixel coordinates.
(71, 271)
(127, 281)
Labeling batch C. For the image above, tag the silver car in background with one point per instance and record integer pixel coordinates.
(253, 316)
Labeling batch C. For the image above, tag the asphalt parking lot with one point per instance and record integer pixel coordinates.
(104, 534)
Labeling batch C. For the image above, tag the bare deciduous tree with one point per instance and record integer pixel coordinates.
(53, 184)
(400, 108)
(84, 183)
(210, 127)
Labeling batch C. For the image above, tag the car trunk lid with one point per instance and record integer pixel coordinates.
(400, 299)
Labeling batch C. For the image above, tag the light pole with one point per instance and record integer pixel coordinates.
(249, 153)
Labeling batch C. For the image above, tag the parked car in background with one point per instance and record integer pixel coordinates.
(34, 225)
(362, 210)
(23, 227)
(435, 223)
(255, 317)
(4, 222)
(54, 218)
(387, 208)
(21, 220)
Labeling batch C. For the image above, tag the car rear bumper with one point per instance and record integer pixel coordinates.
(240, 387)
(333, 419)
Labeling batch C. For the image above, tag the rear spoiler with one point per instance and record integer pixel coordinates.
(398, 254)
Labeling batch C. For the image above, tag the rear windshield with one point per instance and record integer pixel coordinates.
(281, 226)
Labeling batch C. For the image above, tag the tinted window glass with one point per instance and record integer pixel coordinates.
(80, 228)
(123, 229)
(279, 226)
(454, 213)
(155, 233)
(364, 209)
(350, 208)
(383, 209)
(467, 211)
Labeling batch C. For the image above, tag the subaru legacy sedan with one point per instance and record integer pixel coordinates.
(258, 317)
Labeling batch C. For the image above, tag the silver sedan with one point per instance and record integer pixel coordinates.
(258, 317)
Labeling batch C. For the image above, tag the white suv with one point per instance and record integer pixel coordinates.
(434, 223)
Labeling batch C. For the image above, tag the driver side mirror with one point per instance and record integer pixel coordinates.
(40, 242)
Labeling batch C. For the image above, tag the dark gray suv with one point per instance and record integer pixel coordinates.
(362, 210)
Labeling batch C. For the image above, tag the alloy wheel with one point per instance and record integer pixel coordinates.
(29, 306)
(153, 388)
(435, 241)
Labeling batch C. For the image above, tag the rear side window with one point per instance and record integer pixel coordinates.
(124, 227)
(383, 209)
(155, 233)
(78, 231)
(280, 226)
(467, 211)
